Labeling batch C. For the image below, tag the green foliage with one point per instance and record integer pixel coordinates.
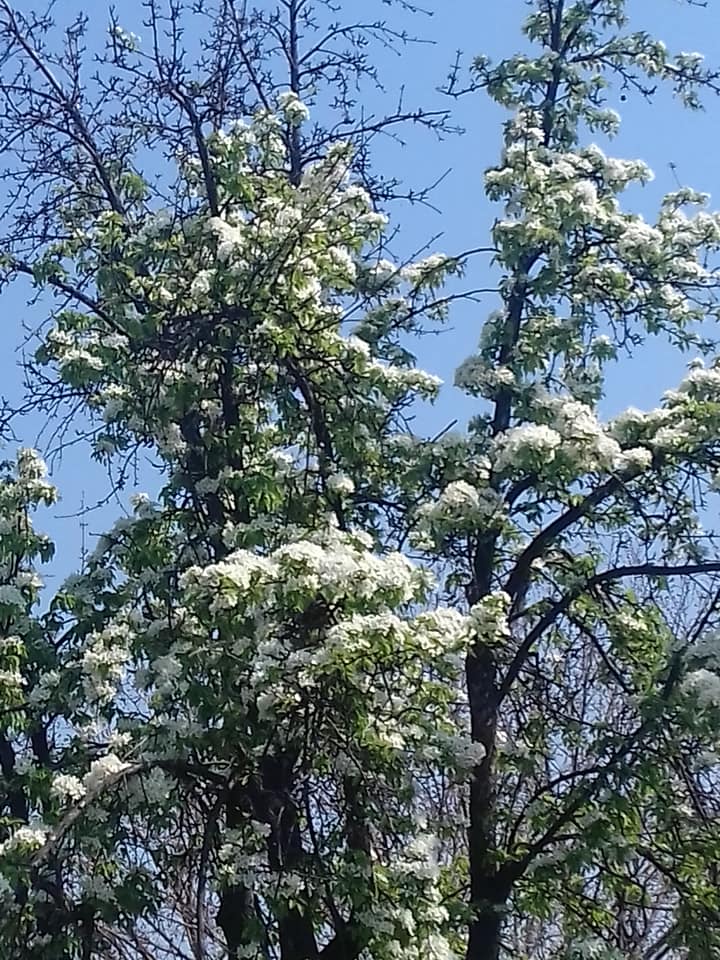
(343, 690)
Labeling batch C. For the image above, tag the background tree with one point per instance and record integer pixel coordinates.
(337, 689)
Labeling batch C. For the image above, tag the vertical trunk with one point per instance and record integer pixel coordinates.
(295, 929)
(236, 913)
(297, 934)
(488, 887)
(293, 55)
(233, 918)
(14, 797)
(484, 939)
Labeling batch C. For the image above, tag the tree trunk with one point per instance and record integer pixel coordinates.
(489, 889)
(295, 930)
(484, 939)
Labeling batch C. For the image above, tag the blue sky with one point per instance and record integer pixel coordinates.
(661, 134)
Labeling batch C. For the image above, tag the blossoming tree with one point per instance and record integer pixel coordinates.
(338, 690)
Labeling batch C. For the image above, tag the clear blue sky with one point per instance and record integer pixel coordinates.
(660, 134)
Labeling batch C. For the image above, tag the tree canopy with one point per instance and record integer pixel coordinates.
(338, 689)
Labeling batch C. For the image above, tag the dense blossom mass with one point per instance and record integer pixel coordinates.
(337, 689)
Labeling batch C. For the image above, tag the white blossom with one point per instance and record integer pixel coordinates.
(529, 444)
(704, 686)
(102, 771)
(340, 484)
(25, 838)
(67, 787)
(489, 617)
(293, 109)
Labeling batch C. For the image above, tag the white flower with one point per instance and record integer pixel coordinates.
(421, 857)
(701, 382)
(126, 38)
(489, 617)
(292, 108)
(342, 260)
(201, 283)
(464, 753)
(442, 629)
(636, 460)
(533, 440)
(586, 195)
(12, 679)
(704, 685)
(383, 275)
(229, 237)
(630, 423)
(459, 507)
(460, 496)
(639, 238)
(157, 222)
(142, 504)
(265, 703)
(427, 271)
(357, 345)
(477, 376)
(103, 666)
(103, 770)
(25, 838)
(155, 786)
(167, 669)
(29, 578)
(44, 688)
(341, 485)
(437, 948)
(67, 787)
(119, 740)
